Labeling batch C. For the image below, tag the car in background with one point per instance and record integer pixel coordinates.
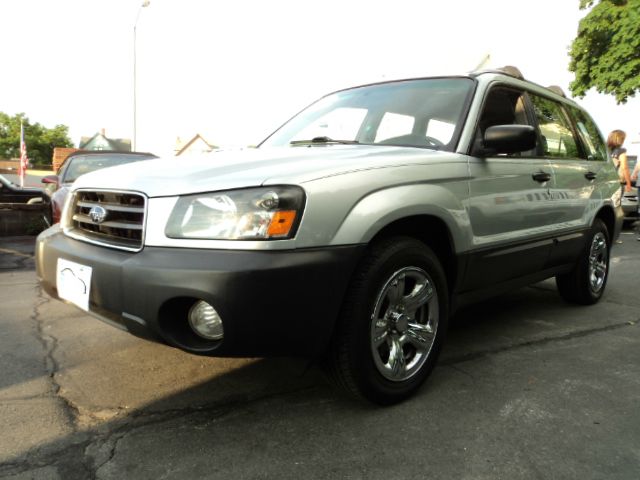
(12, 193)
(79, 163)
(630, 199)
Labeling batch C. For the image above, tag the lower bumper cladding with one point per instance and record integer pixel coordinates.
(270, 302)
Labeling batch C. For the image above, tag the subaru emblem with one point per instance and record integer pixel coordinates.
(98, 214)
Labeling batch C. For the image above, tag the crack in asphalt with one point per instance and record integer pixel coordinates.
(66, 460)
(216, 411)
(541, 341)
(50, 345)
(460, 370)
(78, 454)
(87, 452)
(604, 298)
(113, 439)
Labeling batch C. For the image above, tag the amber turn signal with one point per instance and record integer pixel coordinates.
(281, 223)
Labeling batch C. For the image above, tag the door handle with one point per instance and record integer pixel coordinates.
(590, 175)
(541, 176)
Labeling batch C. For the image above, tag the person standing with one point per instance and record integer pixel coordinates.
(635, 177)
(619, 155)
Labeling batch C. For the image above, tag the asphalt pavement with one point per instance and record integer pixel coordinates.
(528, 387)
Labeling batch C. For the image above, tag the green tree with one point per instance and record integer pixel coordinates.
(40, 140)
(606, 52)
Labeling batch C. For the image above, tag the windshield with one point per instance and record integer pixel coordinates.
(85, 164)
(418, 113)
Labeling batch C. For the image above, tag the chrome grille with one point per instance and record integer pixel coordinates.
(120, 226)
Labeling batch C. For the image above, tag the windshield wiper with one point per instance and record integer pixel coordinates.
(323, 140)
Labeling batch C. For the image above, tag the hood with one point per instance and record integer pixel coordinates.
(252, 167)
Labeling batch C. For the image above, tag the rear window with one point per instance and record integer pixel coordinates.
(594, 146)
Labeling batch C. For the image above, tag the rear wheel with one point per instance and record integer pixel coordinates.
(585, 284)
(392, 324)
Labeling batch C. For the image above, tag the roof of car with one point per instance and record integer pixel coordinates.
(515, 72)
(508, 71)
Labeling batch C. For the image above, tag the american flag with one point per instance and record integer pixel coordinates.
(24, 160)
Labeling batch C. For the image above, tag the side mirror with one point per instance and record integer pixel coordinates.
(509, 139)
(51, 179)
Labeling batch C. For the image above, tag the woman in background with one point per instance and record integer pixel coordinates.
(619, 156)
(635, 177)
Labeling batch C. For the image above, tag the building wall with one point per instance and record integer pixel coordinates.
(60, 154)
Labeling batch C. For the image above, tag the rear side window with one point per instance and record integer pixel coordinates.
(592, 141)
(556, 134)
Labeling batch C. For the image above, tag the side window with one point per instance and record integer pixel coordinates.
(593, 143)
(555, 129)
(503, 106)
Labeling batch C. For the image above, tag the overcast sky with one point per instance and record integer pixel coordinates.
(235, 70)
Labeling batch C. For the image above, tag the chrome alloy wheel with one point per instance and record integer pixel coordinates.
(404, 323)
(598, 262)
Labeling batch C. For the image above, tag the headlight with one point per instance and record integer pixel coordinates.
(254, 213)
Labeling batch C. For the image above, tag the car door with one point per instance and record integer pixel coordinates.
(9, 194)
(509, 205)
(575, 175)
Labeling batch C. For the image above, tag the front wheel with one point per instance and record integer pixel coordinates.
(585, 284)
(392, 324)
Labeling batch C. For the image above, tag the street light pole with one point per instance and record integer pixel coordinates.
(145, 3)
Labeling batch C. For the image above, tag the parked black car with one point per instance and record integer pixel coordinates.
(12, 193)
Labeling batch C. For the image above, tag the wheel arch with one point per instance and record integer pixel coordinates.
(608, 217)
(433, 232)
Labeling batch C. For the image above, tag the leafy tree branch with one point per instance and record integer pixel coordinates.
(40, 140)
(605, 54)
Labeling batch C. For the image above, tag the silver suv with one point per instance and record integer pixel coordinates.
(352, 233)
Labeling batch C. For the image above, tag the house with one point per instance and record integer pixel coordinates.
(197, 144)
(101, 142)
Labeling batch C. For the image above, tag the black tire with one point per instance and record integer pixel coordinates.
(402, 278)
(585, 284)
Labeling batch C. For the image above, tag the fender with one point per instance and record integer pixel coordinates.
(377, 210)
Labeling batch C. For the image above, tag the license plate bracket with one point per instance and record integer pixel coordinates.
(73, 281)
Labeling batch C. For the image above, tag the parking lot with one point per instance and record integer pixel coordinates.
(527, 387)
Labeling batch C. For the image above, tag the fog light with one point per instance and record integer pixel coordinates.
(205, 321)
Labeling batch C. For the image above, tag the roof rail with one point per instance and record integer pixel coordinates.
(506, 70)
(557, 90)
(512, 71)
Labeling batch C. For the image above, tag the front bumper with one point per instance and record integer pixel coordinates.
(271, 302)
